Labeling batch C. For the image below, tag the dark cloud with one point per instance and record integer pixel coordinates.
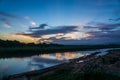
(108, 33)
(106, 37)
(8, 15)
(59, 29)
(103, 26)
(108, 27)
(100, 33)
(42, 26)
(89, 41)
(117, 19)
(111, 37)
(6, 21)
(3, 20)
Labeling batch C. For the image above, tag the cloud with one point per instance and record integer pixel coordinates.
(59, 29)
(57, 33)
(95, 32)
(104, 32)
(42, 26)
(8, 15)
(111, 37)
(117, 19)
(26, 17)
(33, 23)
(108, 34)
(6, 22)
(13, 16)
(98, 33)
(76, 36)
(109, 27)
(103, 26)
(8, 19)
(7, 26)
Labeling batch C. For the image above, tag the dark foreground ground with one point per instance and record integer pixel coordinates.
(91, 67)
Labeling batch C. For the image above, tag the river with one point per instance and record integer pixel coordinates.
(15, 65)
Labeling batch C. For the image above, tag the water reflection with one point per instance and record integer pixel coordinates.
(17, 65)
(64, 56)
(32, 69)
(4, 67)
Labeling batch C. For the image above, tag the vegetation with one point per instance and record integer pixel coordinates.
(15, 48)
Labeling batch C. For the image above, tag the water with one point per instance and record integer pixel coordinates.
(15, 65)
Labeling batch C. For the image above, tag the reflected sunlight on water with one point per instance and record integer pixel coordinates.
(63, 56)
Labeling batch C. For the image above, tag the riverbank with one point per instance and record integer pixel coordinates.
(90, 67)
(25, 51)
(17, 49)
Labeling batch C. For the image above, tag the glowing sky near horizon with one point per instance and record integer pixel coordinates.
(77, 21)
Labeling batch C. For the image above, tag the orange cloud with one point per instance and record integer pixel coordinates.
(18, 37)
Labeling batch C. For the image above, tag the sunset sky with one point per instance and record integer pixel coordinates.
(61, 21)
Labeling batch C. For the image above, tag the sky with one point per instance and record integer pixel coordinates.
(60, 21)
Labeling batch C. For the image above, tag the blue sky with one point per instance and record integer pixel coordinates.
(16, 16)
